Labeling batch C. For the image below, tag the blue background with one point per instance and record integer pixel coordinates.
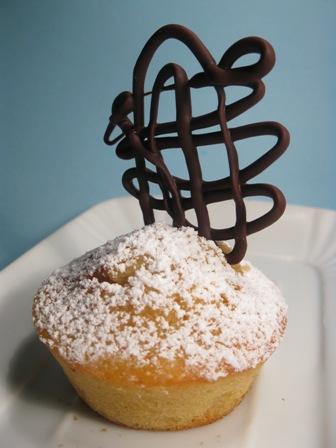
(62, 63)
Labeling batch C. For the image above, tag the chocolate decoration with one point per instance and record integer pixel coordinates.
(143, 143)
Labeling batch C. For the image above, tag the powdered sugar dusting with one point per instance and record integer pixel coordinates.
(161, 293)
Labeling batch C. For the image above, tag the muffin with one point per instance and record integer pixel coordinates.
(156, 330)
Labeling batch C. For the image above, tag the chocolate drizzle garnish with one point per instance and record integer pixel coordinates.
(146, 143)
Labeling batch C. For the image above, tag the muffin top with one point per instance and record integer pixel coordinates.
(160, 304)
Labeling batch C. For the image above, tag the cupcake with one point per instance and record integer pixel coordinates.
(156, 330)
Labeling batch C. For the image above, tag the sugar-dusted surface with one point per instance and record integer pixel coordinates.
(161, 294)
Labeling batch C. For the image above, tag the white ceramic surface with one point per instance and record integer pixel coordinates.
(293, 403)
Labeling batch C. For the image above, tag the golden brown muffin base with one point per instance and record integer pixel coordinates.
(169, 407)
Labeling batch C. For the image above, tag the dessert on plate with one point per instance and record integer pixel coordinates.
(166, 327)
(155, 329)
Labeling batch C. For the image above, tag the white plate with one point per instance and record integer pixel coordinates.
(293, 403)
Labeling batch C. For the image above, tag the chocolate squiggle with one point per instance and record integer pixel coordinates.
(147, 143)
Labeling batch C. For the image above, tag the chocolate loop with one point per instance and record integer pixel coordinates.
(147, 143)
